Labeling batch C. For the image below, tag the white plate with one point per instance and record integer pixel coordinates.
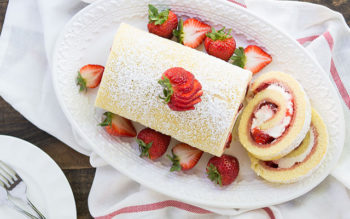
(47, 186)
(87, 38)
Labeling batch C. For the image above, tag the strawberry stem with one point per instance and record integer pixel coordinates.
(239, 57)
(155, 16)
(176, 162)
(167, 89)
(81, 82)
(213, 174)
(220, 34)
(144, 148)
(108, 120)
(179, 32)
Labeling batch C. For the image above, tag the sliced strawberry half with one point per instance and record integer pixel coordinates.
(188, 105)
(184, 157)
(178, 99)
(197, 87)
(252, 58)
(89, 76)
(179, 84)
(192, 32)
(180, 79)
(176, 108)
(118, 126)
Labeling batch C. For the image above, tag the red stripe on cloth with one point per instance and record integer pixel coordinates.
(238, 3)
(327, 35)
(269, 212)
(156, 206)
(342, 90)
(334, 72)
(307, 39)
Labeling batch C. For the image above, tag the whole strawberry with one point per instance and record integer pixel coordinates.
(223, 170)
(163, 23)
(220, 44)
(152, 144)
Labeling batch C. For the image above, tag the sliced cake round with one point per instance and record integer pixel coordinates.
(302, 161)
(276, 118)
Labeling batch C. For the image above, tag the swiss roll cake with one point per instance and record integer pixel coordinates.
(299, 163)
(276, 118)
(133, 87)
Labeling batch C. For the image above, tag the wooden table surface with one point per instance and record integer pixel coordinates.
(76, 166)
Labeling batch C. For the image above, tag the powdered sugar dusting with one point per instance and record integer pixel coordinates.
(130, 88)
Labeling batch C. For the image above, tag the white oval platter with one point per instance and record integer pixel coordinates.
(87, 39)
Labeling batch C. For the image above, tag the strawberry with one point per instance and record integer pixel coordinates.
(163, 23)
(220, 44)
(118, 126)
(181, 90)
(191, 33)
(261, 137)
(89, 76)
(186, 105)
(229, 140)
(184, 157)
(152, 144)
(252, 58)
(223, 170)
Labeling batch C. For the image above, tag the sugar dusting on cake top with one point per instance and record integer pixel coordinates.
(130, 88)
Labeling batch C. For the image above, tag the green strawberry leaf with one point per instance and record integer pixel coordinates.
(179, 32)
(214, 175)
(155, 16)
(176, 162)
(144, 148)
(81, 82)
(220, 34)
(167, 89)
(108, 120)
(239, 57)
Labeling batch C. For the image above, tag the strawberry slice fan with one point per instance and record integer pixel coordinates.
(275, 129)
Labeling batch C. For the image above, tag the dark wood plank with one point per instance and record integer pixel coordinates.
(80, 181)
(3, 7)
(14, 124)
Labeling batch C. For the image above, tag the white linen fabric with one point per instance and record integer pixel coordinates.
(26, 47)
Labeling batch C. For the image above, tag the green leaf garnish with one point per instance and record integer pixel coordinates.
(167, 89)
(155, 16)
(108, 120)
(144, 148)
(239, 57)
(213, 174)
(179, 32)
(176, 162)
(220, 34)
(81, 82)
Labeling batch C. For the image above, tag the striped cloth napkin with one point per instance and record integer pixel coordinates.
(27, 40)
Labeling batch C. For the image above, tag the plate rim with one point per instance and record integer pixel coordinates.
(174, 194)
(65, 186)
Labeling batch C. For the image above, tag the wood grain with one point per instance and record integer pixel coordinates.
(76, 166)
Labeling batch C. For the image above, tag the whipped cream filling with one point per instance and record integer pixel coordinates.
(287, 162)
(265, 113)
